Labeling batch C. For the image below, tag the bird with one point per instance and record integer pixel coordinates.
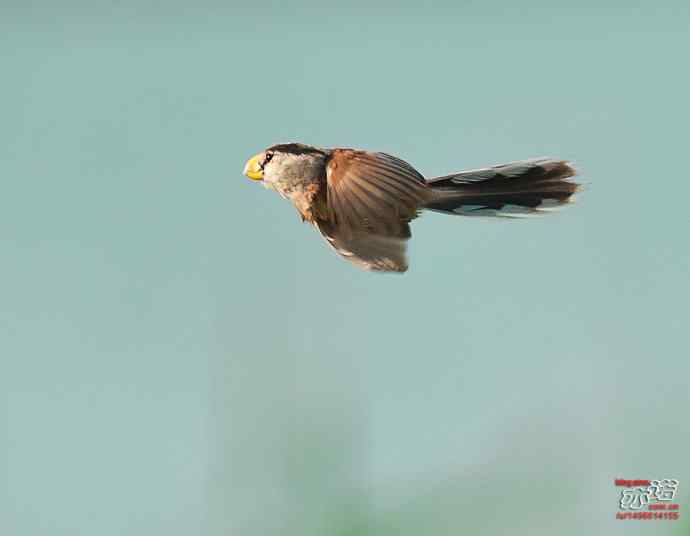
(362, 202)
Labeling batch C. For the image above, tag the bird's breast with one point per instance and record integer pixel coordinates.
(307, 195)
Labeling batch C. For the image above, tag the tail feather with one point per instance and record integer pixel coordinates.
(517, 188)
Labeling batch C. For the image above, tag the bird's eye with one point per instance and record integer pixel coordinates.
(268, 158)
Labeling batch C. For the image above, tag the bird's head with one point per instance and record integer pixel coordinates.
(285, 163)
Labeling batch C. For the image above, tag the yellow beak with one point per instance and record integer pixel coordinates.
(252, 168)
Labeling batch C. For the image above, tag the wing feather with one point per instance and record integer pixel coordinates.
(371, 198)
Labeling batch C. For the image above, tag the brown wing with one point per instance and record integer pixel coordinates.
(371, 197)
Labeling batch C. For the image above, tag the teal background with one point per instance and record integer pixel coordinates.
(180, 355)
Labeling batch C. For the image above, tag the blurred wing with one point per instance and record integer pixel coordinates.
(371, 197)
(368, 251)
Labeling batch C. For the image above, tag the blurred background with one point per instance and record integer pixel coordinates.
(180, 355)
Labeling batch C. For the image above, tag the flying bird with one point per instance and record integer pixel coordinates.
(362, 202)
